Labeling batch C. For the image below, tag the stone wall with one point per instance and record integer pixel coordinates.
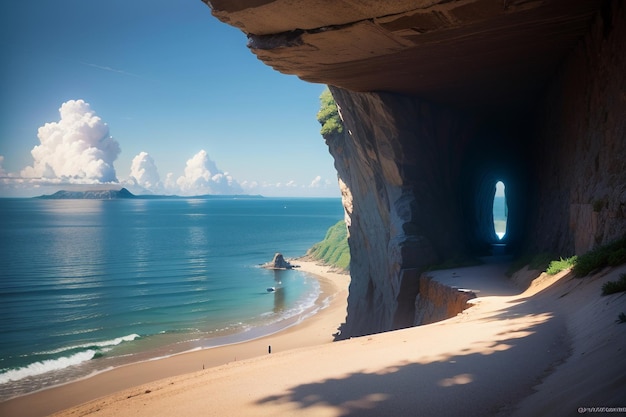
(436, 301)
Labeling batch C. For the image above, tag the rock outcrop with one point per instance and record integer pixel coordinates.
(436, 301)
(441, 99)
(279, 262)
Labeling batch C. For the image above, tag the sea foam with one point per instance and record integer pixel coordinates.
(95, 345)
(41, 367)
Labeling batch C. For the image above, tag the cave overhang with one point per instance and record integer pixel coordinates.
(469, 53)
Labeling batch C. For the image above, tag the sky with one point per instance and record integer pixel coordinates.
(155, 95)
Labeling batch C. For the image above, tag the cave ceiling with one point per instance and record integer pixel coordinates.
(468, 53)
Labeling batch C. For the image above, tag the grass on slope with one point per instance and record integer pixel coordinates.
(334, 249)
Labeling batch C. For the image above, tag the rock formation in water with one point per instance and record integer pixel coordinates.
(441, 99)
(278, 262)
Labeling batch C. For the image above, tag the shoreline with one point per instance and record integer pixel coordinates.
(307, 330)
(532, 345)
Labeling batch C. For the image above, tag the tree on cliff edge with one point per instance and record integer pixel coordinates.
(328, 116)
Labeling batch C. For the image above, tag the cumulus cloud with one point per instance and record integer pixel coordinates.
(203, 177)
(144, 172)
(317, 182)
(77, 148)
(317, 187)
(2, 171)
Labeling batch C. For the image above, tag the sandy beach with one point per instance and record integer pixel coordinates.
(535, 345)
(315, 330)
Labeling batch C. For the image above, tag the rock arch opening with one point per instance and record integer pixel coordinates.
(500, 210)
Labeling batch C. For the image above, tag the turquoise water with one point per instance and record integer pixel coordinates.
(87, 285)
(500, 215)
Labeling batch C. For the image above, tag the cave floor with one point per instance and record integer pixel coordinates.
(488, 279)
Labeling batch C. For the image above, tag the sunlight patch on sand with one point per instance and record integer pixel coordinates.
(461, 379)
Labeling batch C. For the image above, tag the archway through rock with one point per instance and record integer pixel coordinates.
(500, 210)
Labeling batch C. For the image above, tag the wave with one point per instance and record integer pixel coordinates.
(42, 367)
(87, 352)
(94, 345)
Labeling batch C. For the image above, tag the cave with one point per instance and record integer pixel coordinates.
(440, 100)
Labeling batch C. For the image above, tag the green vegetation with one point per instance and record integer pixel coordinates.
(328, 116)
(612, 287)
(334, 249)
(612, 254)
(557, 266)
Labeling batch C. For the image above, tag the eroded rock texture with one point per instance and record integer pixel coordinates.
(436, 301)
(440, 100)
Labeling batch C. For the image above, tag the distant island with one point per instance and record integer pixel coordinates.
(89, 195)
(125, 194)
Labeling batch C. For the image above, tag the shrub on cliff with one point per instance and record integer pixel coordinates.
(328, 115)
(612, 254)
(557, 266)
(334, 249)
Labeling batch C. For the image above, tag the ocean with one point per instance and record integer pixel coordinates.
(500, 215)
(87, 285)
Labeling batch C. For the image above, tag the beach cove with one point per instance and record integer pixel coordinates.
(310, 331)
(539, 351)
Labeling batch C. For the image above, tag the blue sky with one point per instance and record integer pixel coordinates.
(169, 80)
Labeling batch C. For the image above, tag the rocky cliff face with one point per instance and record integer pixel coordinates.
(399, 167)
(440, 100)
(579, 144)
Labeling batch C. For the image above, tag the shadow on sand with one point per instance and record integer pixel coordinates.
(486, 378)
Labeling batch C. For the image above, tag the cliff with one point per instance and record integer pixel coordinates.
(440, 100)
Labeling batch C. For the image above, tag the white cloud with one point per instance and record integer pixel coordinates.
(203, 177)
(318, 187)
(249, 185)
(77, 148)
(144, 172)
(317, 182)
(170, 183)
